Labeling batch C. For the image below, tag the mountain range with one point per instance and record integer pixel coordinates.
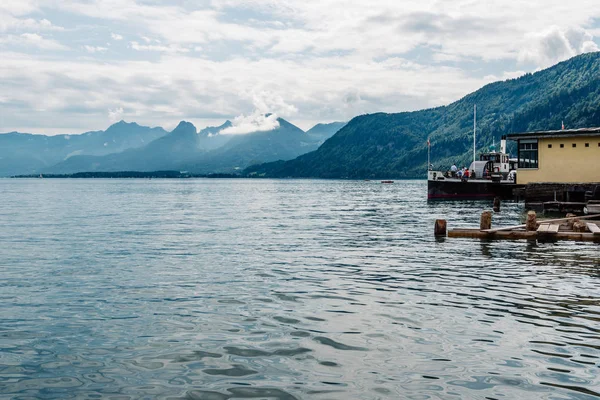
(23, 153)
(131, 147)
(394, 145)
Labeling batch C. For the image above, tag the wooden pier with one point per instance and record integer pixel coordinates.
(570, 228)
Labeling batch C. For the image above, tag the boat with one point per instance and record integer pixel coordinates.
(387, 181)
(493, 175)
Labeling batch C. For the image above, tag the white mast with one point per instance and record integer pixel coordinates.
(428, 155)
(474, 129)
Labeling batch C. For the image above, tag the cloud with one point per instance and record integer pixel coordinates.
(255, 122)
(94, 49)
(556, 44)
(116, 36)
(266, 102)
(10, 23)
(115, 114)
(160, 48)
(18, 7)
(33, 40)
(268, 107)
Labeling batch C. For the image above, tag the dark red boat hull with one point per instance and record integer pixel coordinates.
(469, 190)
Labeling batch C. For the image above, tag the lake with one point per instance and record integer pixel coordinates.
(283, 289)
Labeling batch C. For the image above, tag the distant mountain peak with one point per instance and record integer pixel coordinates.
(185, 128)
(122, 124)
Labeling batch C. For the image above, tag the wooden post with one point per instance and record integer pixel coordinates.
(486, 220)
(572, 219)
(579, 226)
(496, 204)
(440, 227)
(531, 224)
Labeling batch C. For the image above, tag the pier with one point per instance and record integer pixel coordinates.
(574, 228)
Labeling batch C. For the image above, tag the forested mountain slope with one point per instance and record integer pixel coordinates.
(394, 145)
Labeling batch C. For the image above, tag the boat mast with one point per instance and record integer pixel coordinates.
(428, 155)
(474, 129)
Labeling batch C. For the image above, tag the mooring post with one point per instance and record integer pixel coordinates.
(571, 221)
(486, 220)
(440, 227)
(579, 226)
(496, 204)
(531, 224)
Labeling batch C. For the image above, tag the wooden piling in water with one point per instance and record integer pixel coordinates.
(485, 222)
(440, 227)
(496, 204)
(531, 224)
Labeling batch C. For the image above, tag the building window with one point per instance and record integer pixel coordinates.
(574, 144)
(528, 154)
(549, 146)
(562, 145)
(587, 145)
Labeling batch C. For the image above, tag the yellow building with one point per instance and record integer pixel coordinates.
(565, 156)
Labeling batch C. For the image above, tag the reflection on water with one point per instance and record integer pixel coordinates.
(229, 289)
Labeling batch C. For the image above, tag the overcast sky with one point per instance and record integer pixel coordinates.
(77, 65)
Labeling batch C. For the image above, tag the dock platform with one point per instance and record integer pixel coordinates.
(569, 228)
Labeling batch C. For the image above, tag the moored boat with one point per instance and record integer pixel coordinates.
(493, 175)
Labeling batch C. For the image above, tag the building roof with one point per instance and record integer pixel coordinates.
(558, 134)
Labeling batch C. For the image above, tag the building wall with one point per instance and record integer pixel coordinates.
(565, 165)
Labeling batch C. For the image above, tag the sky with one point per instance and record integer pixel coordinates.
(79, 65)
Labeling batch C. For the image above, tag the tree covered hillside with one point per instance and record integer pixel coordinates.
(394, 145)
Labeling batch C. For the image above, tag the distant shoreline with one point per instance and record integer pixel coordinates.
(175, 175)
(129, 174)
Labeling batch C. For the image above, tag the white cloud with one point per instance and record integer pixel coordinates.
(266, 102)
(115, 114)
(160, 48)
(556, 44)
(255, 122)
(94, 49)
(18, 7)
(14, 24)
(116, 36)
(268, 107)
(33, 40)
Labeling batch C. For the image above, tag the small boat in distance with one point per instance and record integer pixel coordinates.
(387, 181)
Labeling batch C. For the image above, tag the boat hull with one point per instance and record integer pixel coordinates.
(453, 189)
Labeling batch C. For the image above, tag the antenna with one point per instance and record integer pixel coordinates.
(474, 129)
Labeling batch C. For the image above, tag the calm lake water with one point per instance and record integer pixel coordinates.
(231, 289)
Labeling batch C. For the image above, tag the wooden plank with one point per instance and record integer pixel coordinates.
(593, 228)
(543, 228)
(520, 235)
(553, 228)
(548, 221)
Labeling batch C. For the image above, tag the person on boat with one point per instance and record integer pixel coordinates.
(466, 174)
(453, 170)
(459, 174)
